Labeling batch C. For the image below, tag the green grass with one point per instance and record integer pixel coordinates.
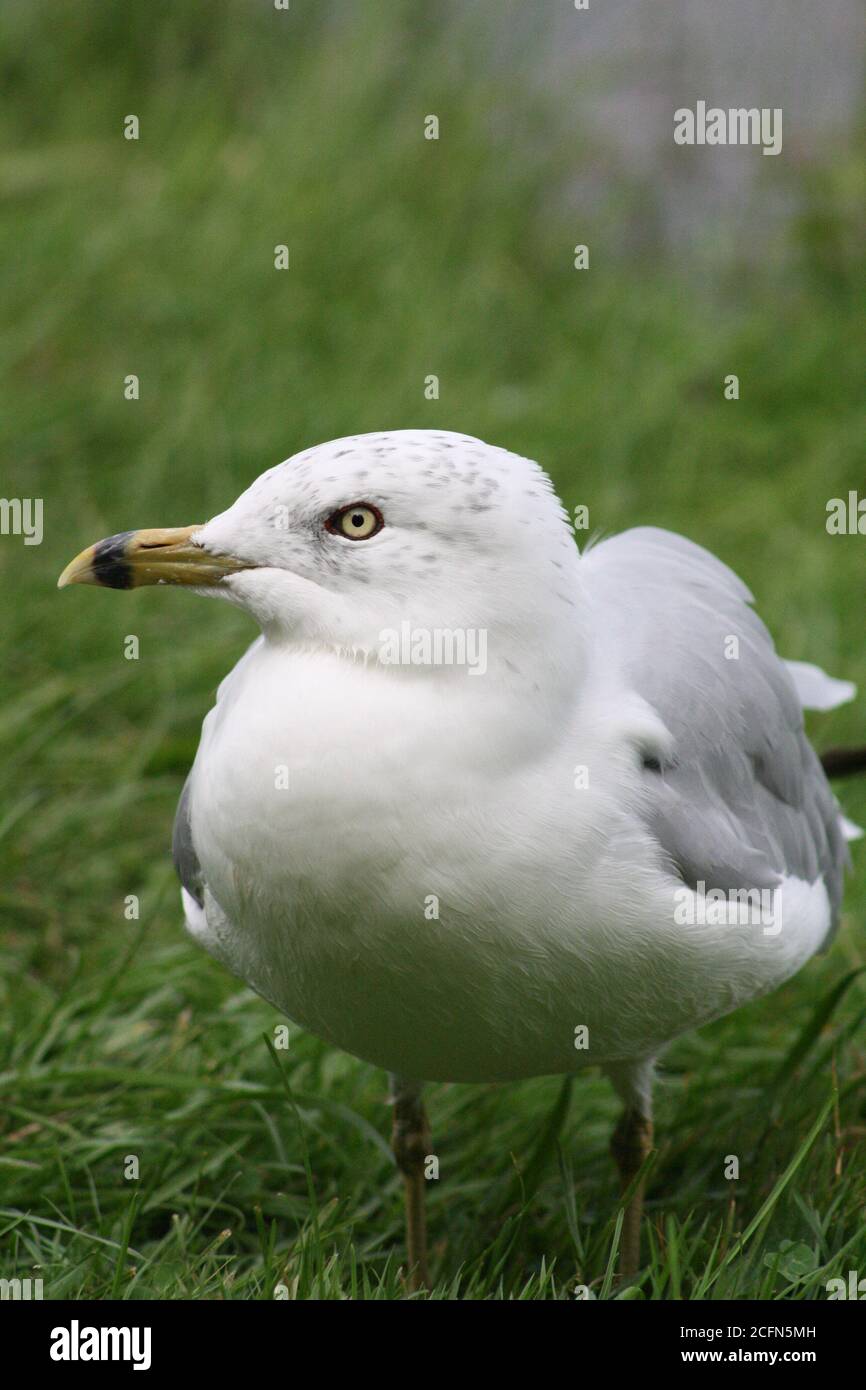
(119, 1037)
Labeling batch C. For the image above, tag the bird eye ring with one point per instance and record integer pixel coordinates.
(358, 522)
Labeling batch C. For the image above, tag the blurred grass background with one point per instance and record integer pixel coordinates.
(408, 257)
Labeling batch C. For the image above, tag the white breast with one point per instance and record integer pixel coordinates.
(421, 882)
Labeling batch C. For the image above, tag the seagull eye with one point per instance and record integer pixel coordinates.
(357, 523)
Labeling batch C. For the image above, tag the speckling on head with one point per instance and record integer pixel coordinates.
(462, 522)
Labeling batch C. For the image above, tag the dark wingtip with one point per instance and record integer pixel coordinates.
(843, 762)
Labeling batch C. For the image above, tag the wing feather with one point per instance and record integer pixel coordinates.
(743, 800)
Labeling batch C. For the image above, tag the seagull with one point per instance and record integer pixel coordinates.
(477, 805)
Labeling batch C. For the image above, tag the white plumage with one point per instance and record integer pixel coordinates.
(475, 806)
(453, 874)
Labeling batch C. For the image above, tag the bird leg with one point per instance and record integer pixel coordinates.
(631, 1143)
(410, 1141)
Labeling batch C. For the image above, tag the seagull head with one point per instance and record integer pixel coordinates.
(365, 534)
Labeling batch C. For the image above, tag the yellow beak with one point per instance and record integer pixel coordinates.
(163, 556)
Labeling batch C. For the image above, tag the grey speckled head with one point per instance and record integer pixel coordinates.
(469, 533)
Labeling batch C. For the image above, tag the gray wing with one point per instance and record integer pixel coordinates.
(742, 800)
(182, 848)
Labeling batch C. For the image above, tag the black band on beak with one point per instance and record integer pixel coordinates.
(111, 565)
